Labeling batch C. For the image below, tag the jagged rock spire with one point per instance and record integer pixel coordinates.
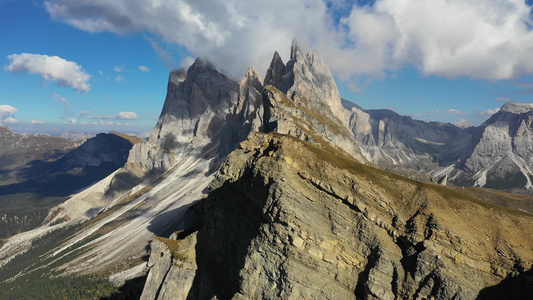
(276, 71)
(307, 80)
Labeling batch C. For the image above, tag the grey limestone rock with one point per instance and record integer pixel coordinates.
(496, 154)
(284, 220)
(159, 264)
(303, 100)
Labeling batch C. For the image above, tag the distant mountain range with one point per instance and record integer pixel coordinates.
(496, 154)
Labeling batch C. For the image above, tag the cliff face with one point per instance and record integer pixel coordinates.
(286, 219)
(301, 99)
(496, 154)
(295, 212)
(503, 155)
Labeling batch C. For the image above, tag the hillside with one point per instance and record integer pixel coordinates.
(50, 177)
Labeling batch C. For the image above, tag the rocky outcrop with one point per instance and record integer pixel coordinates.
(172, 266)
(294, 213)
(285, 219)
(302, 99)
(193, 115)
(206, 111)
(206, 114)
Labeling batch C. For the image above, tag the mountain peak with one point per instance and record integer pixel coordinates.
(252, 72)
(517, 108)
(299, 49)
(276, 71)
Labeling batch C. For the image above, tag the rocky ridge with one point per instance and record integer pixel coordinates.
(286, 219)
(295, 212)
(495, 154)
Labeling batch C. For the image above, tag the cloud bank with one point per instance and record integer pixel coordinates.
(53, 68)
(123, 115)
(487, 39)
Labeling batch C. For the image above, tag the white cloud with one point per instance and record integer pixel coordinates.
(186, 62)
(504, 100)
(53, 68)
(487, 39)
(84, 113)
(37, 122)
(127, 115)
(66, 103)
(107, 123)
(119, 78)
(7, 110)
(123, 115)
(72, 121)
(118, 69)
(7, 114)
(10, 120)
(144, 69)
(451, 111)
(488, 112)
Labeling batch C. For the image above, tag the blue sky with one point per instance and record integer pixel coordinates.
(107, 62)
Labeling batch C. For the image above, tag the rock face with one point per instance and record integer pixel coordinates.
(302, 99)
(205, 114)
(296, 213)
(196, 105)
(285, 219)
(503, 156)
(496, 154)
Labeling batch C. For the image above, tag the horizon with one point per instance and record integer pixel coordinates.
(82, 67)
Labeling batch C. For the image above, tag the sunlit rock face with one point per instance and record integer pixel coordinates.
(286, 219)
(496, 154)
(206, 113)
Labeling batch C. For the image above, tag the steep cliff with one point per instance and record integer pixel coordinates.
(286, 219)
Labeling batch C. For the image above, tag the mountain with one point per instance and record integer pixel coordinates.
(286, 219)
(496, 154)
(265, 189)
(503, 153)
(48, 175)
(291, 214)
(19, 150)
